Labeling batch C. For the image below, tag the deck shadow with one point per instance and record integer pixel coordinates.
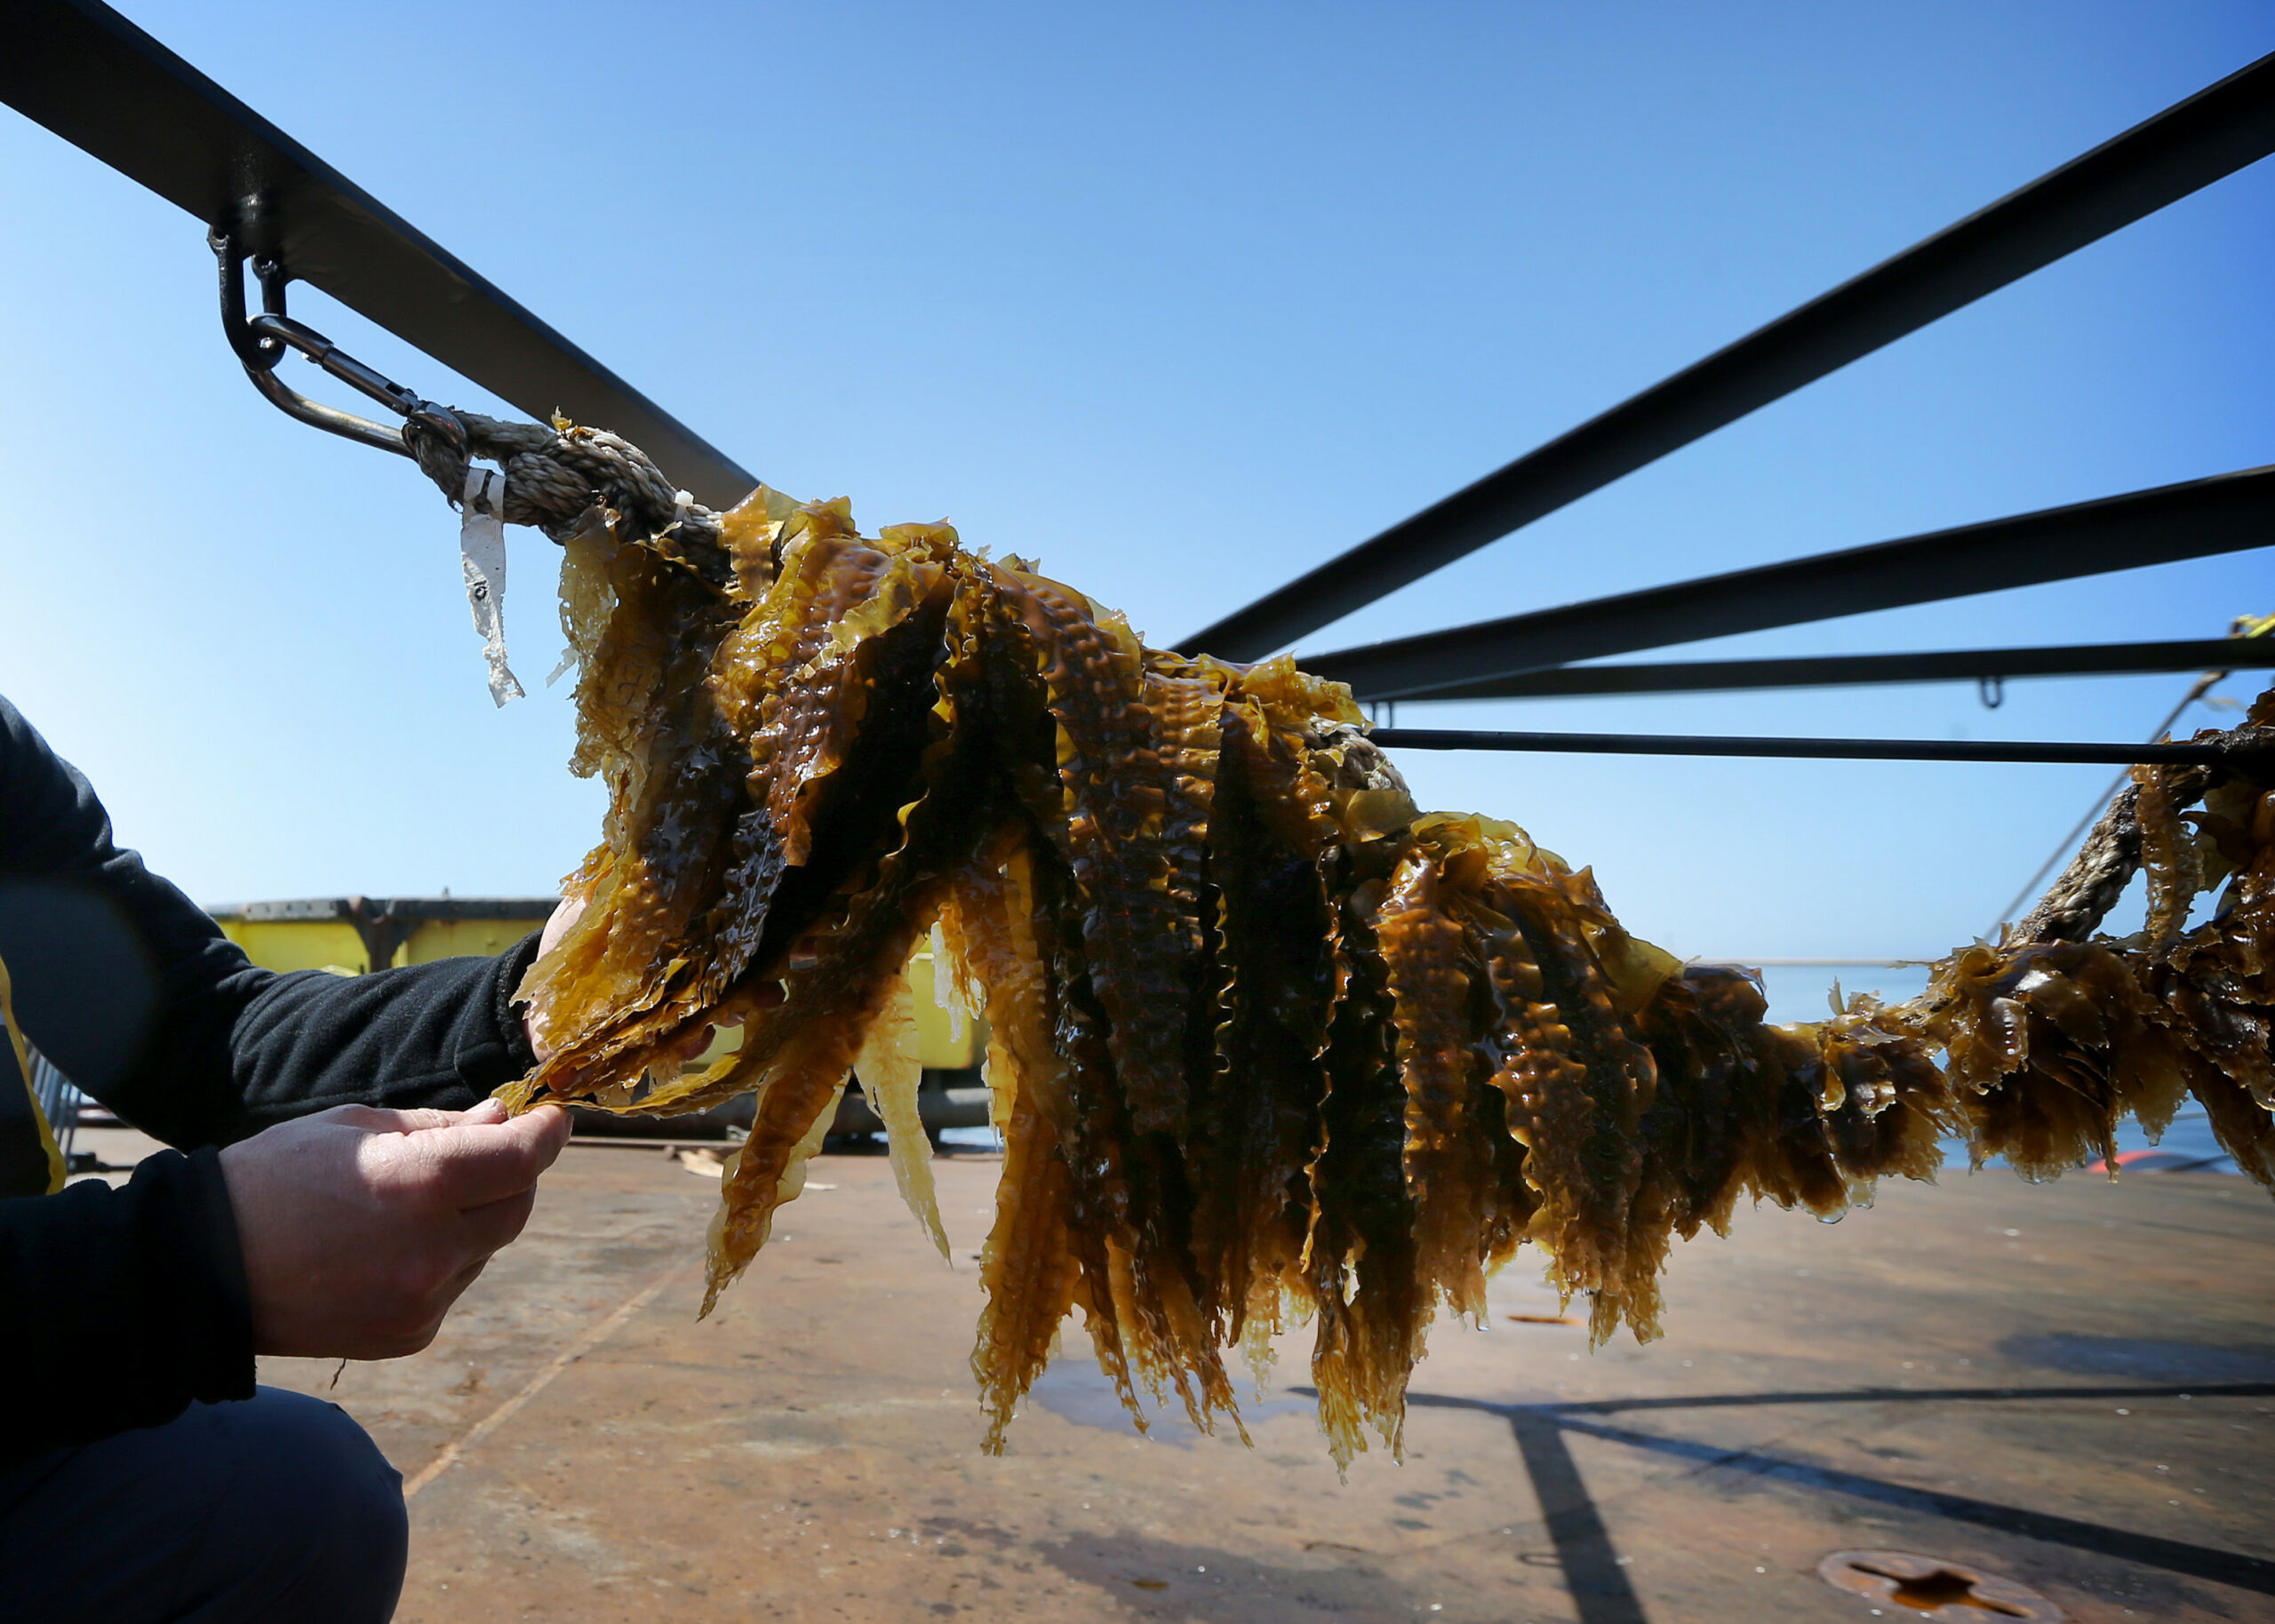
(1592, 1568)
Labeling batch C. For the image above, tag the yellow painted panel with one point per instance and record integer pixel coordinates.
(298, 945)
(934, 1049)
(462, 939)
(332, 944)
(933, 1041)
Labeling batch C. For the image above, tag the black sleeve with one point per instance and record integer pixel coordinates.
(445, 1033)
(133, 991)
(134, 1299)
(125, 1305)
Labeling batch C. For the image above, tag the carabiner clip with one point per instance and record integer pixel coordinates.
(260, 342)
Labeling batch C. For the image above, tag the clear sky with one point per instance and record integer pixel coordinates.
(1179, 300)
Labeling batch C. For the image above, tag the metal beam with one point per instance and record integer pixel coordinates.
(2229, 513)
(1845, 670)
(103, 84)
(1815, 748)
(2212, 134)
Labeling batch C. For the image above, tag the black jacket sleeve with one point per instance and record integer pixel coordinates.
(133, 991)
(126, 1305)
(135, 1297)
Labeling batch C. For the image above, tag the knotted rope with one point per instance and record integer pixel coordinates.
(561, 479)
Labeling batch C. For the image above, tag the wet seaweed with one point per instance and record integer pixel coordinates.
(1268, 1046)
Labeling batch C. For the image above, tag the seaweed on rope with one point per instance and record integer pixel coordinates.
(1268, 1045)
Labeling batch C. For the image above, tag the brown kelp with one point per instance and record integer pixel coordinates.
(1267, 1044)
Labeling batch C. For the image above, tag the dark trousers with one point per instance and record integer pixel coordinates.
(279, 1508)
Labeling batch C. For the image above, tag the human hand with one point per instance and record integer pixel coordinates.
(360, 1227)
(557, 925)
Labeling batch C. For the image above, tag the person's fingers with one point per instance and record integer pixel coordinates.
(421, 1118)
(477, 1163)
(563, 919)
(365, 1118)
(485, 1229)
(416, 1334)
(563, 922)
(555, 1122)
(547, 1121)
(455, 1287)
(381, 1119)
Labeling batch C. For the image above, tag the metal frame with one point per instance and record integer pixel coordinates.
(1989, 666)
(2228, 513)
(94, 78)
(2209, 136)
(109, 89)
(1824, 749)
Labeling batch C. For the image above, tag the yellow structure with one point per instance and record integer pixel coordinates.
(947, 1042)
(350, 935)
(347, 935)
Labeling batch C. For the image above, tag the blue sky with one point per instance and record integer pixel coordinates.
(1179, 300)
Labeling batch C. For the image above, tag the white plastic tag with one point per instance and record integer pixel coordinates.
(481, 550)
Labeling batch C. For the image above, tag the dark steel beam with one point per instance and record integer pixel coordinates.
(1815, 748)
(2212, 134)
(108, 88)
(1845, 670)
(2229, 513)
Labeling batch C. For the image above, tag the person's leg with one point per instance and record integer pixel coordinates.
(279, 1508)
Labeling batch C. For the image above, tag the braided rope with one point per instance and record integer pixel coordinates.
(561, 479)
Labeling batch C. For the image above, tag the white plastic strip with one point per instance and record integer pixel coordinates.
(481, 550)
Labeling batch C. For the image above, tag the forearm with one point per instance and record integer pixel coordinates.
(443, 1034)
(128, 986)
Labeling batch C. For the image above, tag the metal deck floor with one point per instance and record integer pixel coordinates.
(2072, 1386)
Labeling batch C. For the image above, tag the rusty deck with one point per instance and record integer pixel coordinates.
(2071, 1387)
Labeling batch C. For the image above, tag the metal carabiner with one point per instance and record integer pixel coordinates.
(261, 341)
